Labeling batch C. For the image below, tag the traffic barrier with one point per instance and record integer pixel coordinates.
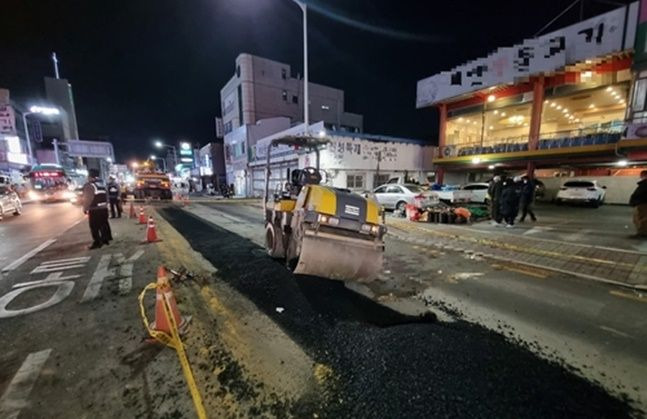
(165, 312)
(132, 213)
(142, 216)
(151, 231)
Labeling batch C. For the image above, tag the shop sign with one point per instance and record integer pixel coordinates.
(636, 131)
(7, 120)
(588, 39)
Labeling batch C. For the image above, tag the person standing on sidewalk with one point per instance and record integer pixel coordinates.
(114, 196)
(509, 202)
(638, 200)
(95, 204)
(494, 191)
(527, 198)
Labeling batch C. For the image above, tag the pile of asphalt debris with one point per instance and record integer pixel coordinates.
(389, 365)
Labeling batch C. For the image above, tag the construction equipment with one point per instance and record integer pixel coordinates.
(321, 230)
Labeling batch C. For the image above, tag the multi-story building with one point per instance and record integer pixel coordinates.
(558, 103)
(262, 88)
(14, 144)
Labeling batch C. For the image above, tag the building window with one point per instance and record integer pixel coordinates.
(355, 181)
(295, 99)
(284, 73)
(325, 107)
(240, 105)
(380, 180)
(285, 95)
(228, 127)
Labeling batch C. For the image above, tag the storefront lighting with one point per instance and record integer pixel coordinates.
(622, 163)
(608, 89)
(460, 119)
(476, 160)
(491, 98)
(547, 102)
(591, 106)
(496, 112)
(586, 75)
(491, 167)
(552, 105)
(491, 127)
(502, 113)
(559, 107)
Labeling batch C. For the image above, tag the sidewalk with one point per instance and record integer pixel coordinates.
(616, 266)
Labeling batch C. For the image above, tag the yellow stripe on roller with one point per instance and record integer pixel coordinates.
(323, 199)
(372, 212)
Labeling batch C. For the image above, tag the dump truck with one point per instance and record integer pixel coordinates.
(152, 184)
(321, 230)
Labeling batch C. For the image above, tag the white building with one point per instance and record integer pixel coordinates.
(356, 161)
(262, 88)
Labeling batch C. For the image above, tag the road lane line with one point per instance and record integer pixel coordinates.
(615, 332)
(629, 296)
(15, 397)
(16, 263)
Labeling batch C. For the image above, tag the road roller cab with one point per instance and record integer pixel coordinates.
(321, 230)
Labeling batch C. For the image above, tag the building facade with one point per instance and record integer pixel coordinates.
(356, 161)
(14, 143)
(561, 102)
(262, 88)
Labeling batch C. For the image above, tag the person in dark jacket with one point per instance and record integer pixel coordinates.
(638, 200)
(509, 202)
(114, 197)
(494, 191)
(95, 204)
(527, 198)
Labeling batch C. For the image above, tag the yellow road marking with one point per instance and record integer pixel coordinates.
(629, 296)
(496, 243)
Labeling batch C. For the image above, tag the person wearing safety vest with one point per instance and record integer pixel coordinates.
(95, 204)
(114, 196)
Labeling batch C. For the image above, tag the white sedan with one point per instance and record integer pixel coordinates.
(581, 191)
(396, 196)
(479, 191)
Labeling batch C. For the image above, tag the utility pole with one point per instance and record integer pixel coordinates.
(55, 61)
(306, 96)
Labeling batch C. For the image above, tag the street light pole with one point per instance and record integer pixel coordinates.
(24, 122)
(306, 96)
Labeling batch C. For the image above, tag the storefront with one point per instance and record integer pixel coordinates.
(559, 100)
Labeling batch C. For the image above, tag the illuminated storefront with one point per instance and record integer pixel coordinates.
(563, 97)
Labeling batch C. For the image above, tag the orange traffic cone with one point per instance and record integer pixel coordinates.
(151, 231)
(142, 216)
(162, 323)
(132, 213)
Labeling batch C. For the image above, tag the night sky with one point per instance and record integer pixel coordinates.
(144, 69)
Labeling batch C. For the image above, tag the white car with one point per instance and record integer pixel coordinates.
(396, 196)
(581, 191)
(454, 195)
(479, 191)
(9, 202)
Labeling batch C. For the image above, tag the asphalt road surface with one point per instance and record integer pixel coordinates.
(389, 364)
(38, 224)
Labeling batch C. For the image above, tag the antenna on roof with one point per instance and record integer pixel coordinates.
(55, 61)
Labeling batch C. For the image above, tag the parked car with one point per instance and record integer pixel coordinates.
(9, 202)
(478, 190)
(396, 196)
(581, 191)
(452, 194)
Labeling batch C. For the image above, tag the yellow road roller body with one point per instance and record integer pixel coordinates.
(325, 231)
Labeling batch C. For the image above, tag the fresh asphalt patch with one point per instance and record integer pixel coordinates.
(380, 363)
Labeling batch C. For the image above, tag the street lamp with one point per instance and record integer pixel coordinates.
(159, 144)
(306, 97)
(40, 110)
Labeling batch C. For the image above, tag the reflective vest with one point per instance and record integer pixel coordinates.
(99, 200)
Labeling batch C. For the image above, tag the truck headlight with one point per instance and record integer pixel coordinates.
(33, 195)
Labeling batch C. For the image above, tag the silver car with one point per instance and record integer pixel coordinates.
(9, 202)
(396, 196)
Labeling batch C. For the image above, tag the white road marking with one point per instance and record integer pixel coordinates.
(53, 277)
(126, 271)
(64, 288)
(615, 332)
(61, 265)
(16, 263)
(15, 397)
(101, 273)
